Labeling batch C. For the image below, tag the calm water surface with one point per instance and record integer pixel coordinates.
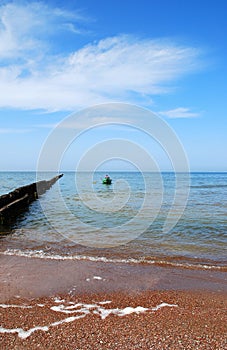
(69, 226)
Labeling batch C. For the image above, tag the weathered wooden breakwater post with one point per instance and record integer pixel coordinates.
(17, 201)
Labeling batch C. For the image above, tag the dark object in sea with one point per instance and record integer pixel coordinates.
(107, 180)
(17, 201)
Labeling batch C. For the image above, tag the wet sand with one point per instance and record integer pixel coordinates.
(93, 305)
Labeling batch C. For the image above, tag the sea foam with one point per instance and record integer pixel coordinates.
(40, 254)
(78, 311)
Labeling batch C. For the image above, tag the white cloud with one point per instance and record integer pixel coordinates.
(179, 112)
(19, 28)
(121, 68)
(46, 126)
(13, 131)
(24, 29)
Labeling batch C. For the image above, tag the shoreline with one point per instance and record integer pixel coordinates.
(95, 305)
(36, 277)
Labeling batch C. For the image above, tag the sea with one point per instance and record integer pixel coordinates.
(165, 219)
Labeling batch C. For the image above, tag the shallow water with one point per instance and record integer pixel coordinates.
(81, 218)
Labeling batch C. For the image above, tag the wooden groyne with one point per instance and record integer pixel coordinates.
(17, 201)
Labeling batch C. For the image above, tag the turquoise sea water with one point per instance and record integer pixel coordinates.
(81, 218)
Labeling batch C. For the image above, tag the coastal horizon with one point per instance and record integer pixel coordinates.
(113, 175)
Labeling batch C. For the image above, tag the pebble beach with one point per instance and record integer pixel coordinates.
(92, 307)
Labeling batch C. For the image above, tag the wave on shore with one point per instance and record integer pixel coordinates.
(41, 254)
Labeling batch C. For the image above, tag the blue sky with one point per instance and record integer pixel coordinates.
(58, 57)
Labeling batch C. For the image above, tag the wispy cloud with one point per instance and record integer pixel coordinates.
(14, 131)
(26, 28)
(120, 68)
(179, 112)
(46, 126)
